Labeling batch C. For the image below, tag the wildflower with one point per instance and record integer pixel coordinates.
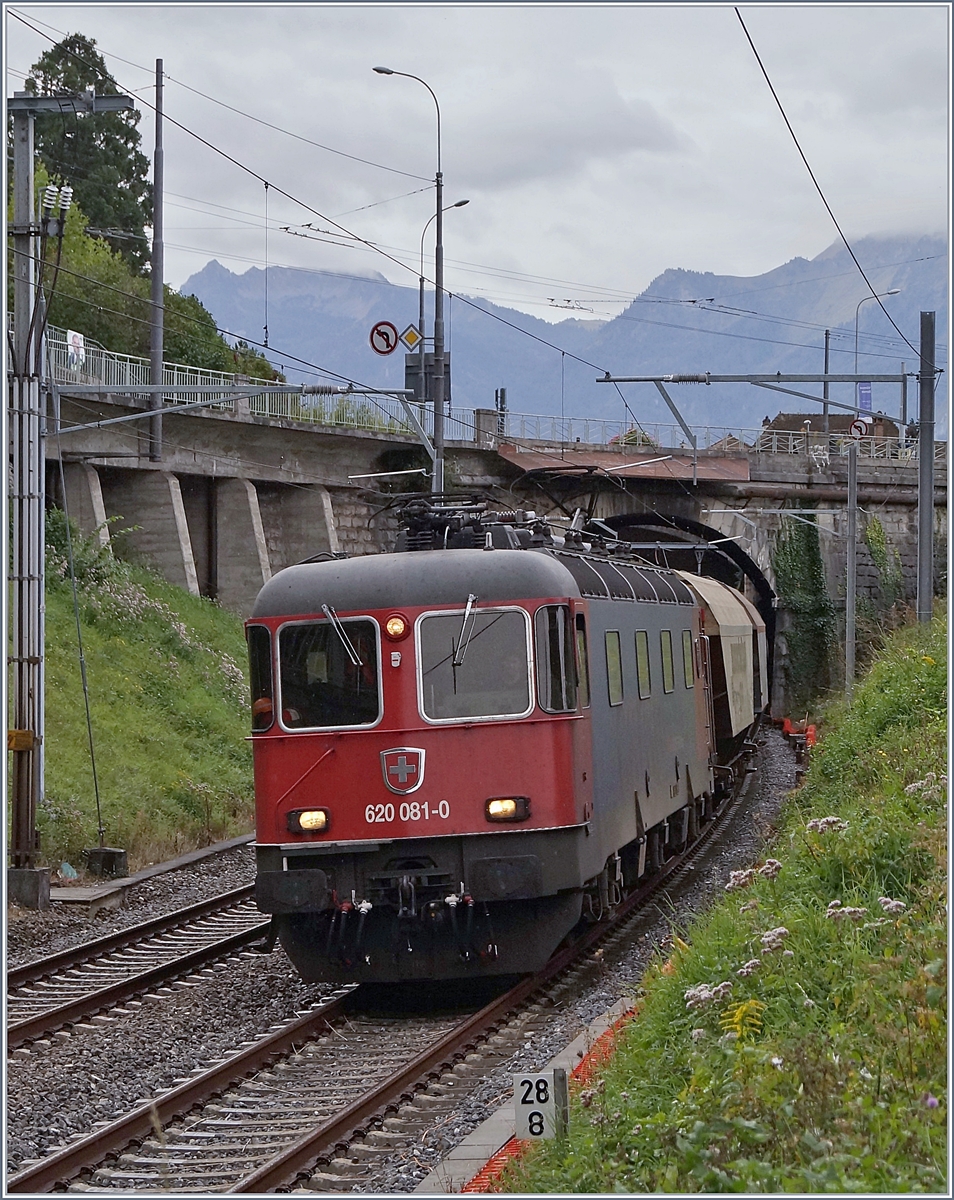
(836, 912)
(788, 954)
(586, 1098)
(697, 1035)
(824, 824)
(731, 1036)
(748, 907)
(750, 967)
(892, 906)
(875, 924)
(702, 994)
(777, 1062)
(740, 879)
(808, 1003)
(771, 868)
(865, 1073)
(929, 1101)
(772, 938)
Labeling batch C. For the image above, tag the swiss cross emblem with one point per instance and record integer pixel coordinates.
(403, 769)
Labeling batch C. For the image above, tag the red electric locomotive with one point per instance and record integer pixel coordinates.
(463, 747)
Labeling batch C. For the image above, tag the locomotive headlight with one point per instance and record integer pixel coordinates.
(508, 808)
(309, 820)
(396, 627)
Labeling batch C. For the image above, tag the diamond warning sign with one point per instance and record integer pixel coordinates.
(411, 337)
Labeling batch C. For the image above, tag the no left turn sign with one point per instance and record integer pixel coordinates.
(384, 338)
(858, 429)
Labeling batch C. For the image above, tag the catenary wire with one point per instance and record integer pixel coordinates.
(277, 128)
(816, 183)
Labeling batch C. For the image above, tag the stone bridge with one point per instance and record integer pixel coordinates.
(240, 494)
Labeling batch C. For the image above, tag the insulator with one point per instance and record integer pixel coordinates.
(66, 198)
(50, 193)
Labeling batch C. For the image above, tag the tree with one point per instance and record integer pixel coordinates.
(96, 153)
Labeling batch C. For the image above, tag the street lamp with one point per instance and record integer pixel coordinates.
(892, 292)
(458, 204)
(437, 484)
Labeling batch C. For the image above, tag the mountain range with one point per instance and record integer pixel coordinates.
(684, 322)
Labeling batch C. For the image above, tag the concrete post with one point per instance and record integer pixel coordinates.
(851, 584)
(925, 600)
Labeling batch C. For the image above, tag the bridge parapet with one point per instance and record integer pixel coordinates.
(92, 363)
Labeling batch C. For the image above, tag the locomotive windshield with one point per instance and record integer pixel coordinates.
(493, 680)
(321, 684)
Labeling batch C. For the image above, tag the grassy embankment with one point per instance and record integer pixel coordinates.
(820, 1063)
(169, 707)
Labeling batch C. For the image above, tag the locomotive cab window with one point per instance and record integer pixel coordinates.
(329, 674)
(260, 673)
(556, 660)
(582, 661)
(474, 664)
(614, 668)
(687, 657)
(642, 664)
(665, 649)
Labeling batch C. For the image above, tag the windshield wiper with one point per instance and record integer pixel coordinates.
(463, 640)
(340, 631)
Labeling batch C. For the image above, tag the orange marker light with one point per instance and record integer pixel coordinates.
(396, 627)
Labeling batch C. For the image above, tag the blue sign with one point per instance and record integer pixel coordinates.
(864, 397)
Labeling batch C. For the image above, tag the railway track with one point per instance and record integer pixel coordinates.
(336, 1086)
(75, 984)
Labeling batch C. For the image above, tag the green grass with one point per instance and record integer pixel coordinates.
(169, 708)
(825, 1068)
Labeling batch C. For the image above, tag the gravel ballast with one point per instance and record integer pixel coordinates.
(98, 1072)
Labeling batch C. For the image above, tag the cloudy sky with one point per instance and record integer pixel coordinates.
(597, 144)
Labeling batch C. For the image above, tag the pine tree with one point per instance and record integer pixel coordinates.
(96, 153)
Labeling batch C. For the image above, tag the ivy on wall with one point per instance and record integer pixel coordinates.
(807, 614)
(885, 558)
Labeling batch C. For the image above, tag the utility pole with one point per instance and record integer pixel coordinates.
(925, 598)
(851, 581)
(438, 481)
(26, 883)
(156, 291)
(825, 385)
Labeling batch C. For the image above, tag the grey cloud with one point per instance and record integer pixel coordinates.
(513, 140)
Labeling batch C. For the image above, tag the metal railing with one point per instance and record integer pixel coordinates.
(90, 363)
(625, 437)
(385, 414)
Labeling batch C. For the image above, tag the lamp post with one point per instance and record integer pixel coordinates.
(851, 573)
(892, 292)
(437, 484)
(423, 381)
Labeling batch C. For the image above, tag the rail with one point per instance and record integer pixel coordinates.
(91, 363)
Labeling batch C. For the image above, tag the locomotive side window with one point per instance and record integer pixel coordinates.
(260, 673)
(474, 664)
(322, 685)
(614, 668)
(687, 657)
(665, 649)
(556, 663)
(642, 664)
(582, 661)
